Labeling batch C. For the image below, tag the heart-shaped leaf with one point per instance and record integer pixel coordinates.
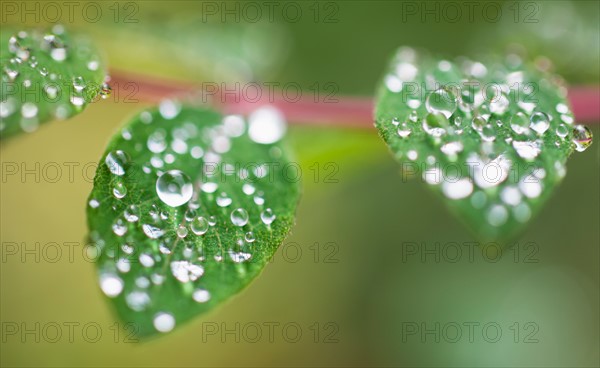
(187, 208)
(491, 137)
(46, 75)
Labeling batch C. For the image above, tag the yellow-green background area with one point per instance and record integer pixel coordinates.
(542, 295)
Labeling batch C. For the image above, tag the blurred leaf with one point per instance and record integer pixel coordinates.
(46, 75)
(544, 31)
(491, 137)
(195, 218)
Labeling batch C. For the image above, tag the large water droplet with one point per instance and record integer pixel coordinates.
(239, 217)
(182, 231)
(267, 216)
(582, 137)
(562, 131)
(116, 162)
(499, 104)
(404, 130)
(459, 189)
(199, 225)
(435, 124)
(519, 123)
(527, 150)
(443, 101)
(111, 284)
(223, 200)
(164, 322)
(540, 122)
(201, 295)
(119, 190)
(137, 300)
(157, 141)
(119, 227)
(185, 271)
(174, 188)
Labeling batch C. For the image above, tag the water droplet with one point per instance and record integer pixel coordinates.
(435, 124)
(169, 109)
(499, 104)
(146, 260)
(182, 231)
(540, 122)
(249, 237)
(442, 101)
(266, 125)
(511, 195)
(530, 186)
(452, 148)
(119, 190)
(519, 123)
(223, 200)
(190, 214)
(111, 284)
(478, 123)
(267, 216)
(201, 295)
(488, 133)
(174, 188)
(199, 225)
(527, 150)
(185, 271)
(55, 46)
(582, 137)
(77, 101)
(212, 220)
(497, 215)
(93, 65)
(132, 213)
(404, 130)
(116, 162)
(393, 83)
(152, 232)
(239, 217)
(123, 265)
(522, 212)
(209, 187)
(94, 203)
(29, 110)
(197, 152)
(248, 189)
(105, 91)
(164, 322)
(459, 189)
(157, 141)
(78, 84)
(119, 227)
(562, 131)
(137, 300)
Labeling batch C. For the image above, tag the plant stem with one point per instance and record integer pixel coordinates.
(338, 111)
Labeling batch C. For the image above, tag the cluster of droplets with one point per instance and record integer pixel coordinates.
(31, 69)
(182, 213)
(503, 124)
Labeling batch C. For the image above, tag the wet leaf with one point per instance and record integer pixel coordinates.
(187, 208)
(491, 137)
(46, 75)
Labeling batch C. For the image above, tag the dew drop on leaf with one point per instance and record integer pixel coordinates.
(174, 188)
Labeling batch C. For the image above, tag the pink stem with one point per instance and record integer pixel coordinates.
(343, 111)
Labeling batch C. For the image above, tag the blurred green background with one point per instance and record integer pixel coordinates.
(354, 300)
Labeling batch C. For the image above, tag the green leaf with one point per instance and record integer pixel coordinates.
(492, 137)
(187, 208)
(46, 75)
